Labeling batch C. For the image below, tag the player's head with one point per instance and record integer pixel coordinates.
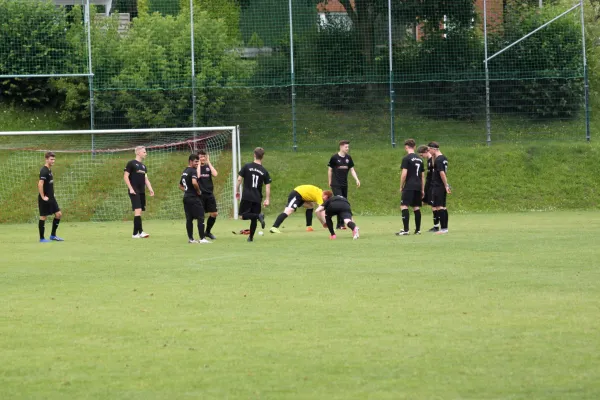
(423, 151)
(140, 151)
(202, 155)
(50, 158)
(259, 153)
(409, 145)
(344, 146)
(434, 148)
(327, 194)
(193, 160)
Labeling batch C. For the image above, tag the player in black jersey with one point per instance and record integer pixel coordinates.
(412, 186)
(254, 175)
(337, 173)
(136, 179)
(439, 186)
(192, 203)
(425, 155)
(47, 203)
(206, 171)
(340, 207)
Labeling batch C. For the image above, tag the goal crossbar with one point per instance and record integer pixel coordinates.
(118, 131)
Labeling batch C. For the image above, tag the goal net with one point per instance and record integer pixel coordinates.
(88, 173)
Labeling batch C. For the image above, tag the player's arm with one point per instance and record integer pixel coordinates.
(267, 194)
(41, 190)
(422, 185)
(329, 174)
(403, 178)
(148, 185)
(237, 187)
(127, 182)
(445, 180)
(213, 171)
(196, 186)
(353, 172)
(181, 187)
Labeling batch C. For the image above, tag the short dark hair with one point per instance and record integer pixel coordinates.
(201, 152)
(422, 149)
(343, 142)
(410, 143)
(259, 153)
(434, 145)
(49, 154)
(193, 157)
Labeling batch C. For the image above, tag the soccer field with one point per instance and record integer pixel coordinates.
(506, 306)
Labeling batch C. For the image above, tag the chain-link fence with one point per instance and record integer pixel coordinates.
(304, 73)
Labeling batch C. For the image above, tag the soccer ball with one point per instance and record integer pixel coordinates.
(260, 233)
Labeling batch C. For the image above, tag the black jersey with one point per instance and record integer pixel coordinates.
(413, 165)
(340, 166)
(335, 204)
(429, 171)
(187, 176)
(439, 165)
(48, 178)
(205, 179)
(137, 175)
(255, 175)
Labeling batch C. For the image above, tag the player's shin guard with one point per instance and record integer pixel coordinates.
(201, 229)
(309, 216)
(41, 228)
(280, 218)
(253, 224)
(55, 223)
(137, 224)
(329, 223)
(417, 220)
(444, 219)
(405, 219)
(209, 223)
(189, 227)
(351, 225)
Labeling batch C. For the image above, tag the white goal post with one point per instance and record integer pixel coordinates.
(89, 169)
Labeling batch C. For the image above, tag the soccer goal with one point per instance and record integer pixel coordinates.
(88, 173)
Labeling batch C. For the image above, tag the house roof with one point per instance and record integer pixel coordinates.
(333, 6)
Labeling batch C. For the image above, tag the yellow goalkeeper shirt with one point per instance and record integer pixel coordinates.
(310, 193)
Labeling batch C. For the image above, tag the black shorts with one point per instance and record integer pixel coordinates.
(340, 191)
(138, 200)
(209, 203)
(193, 208)
(294, 200)
(411, 198)
(48, 207)
(248, 207)
(342, 211)
(427, 198)
(438, 196)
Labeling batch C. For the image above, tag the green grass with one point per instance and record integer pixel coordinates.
(504, 307)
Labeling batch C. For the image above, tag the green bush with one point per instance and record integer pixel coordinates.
(143, 77)
(540, 76)
(33, 40)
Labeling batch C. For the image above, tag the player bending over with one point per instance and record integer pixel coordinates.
(46, 201)
(254, 176)
(192, 203)
(308, 196)
(205, 174)
(337, 206)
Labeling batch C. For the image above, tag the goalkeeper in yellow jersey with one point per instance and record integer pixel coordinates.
(307, 196)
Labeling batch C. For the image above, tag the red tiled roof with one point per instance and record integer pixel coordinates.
(333, 6)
